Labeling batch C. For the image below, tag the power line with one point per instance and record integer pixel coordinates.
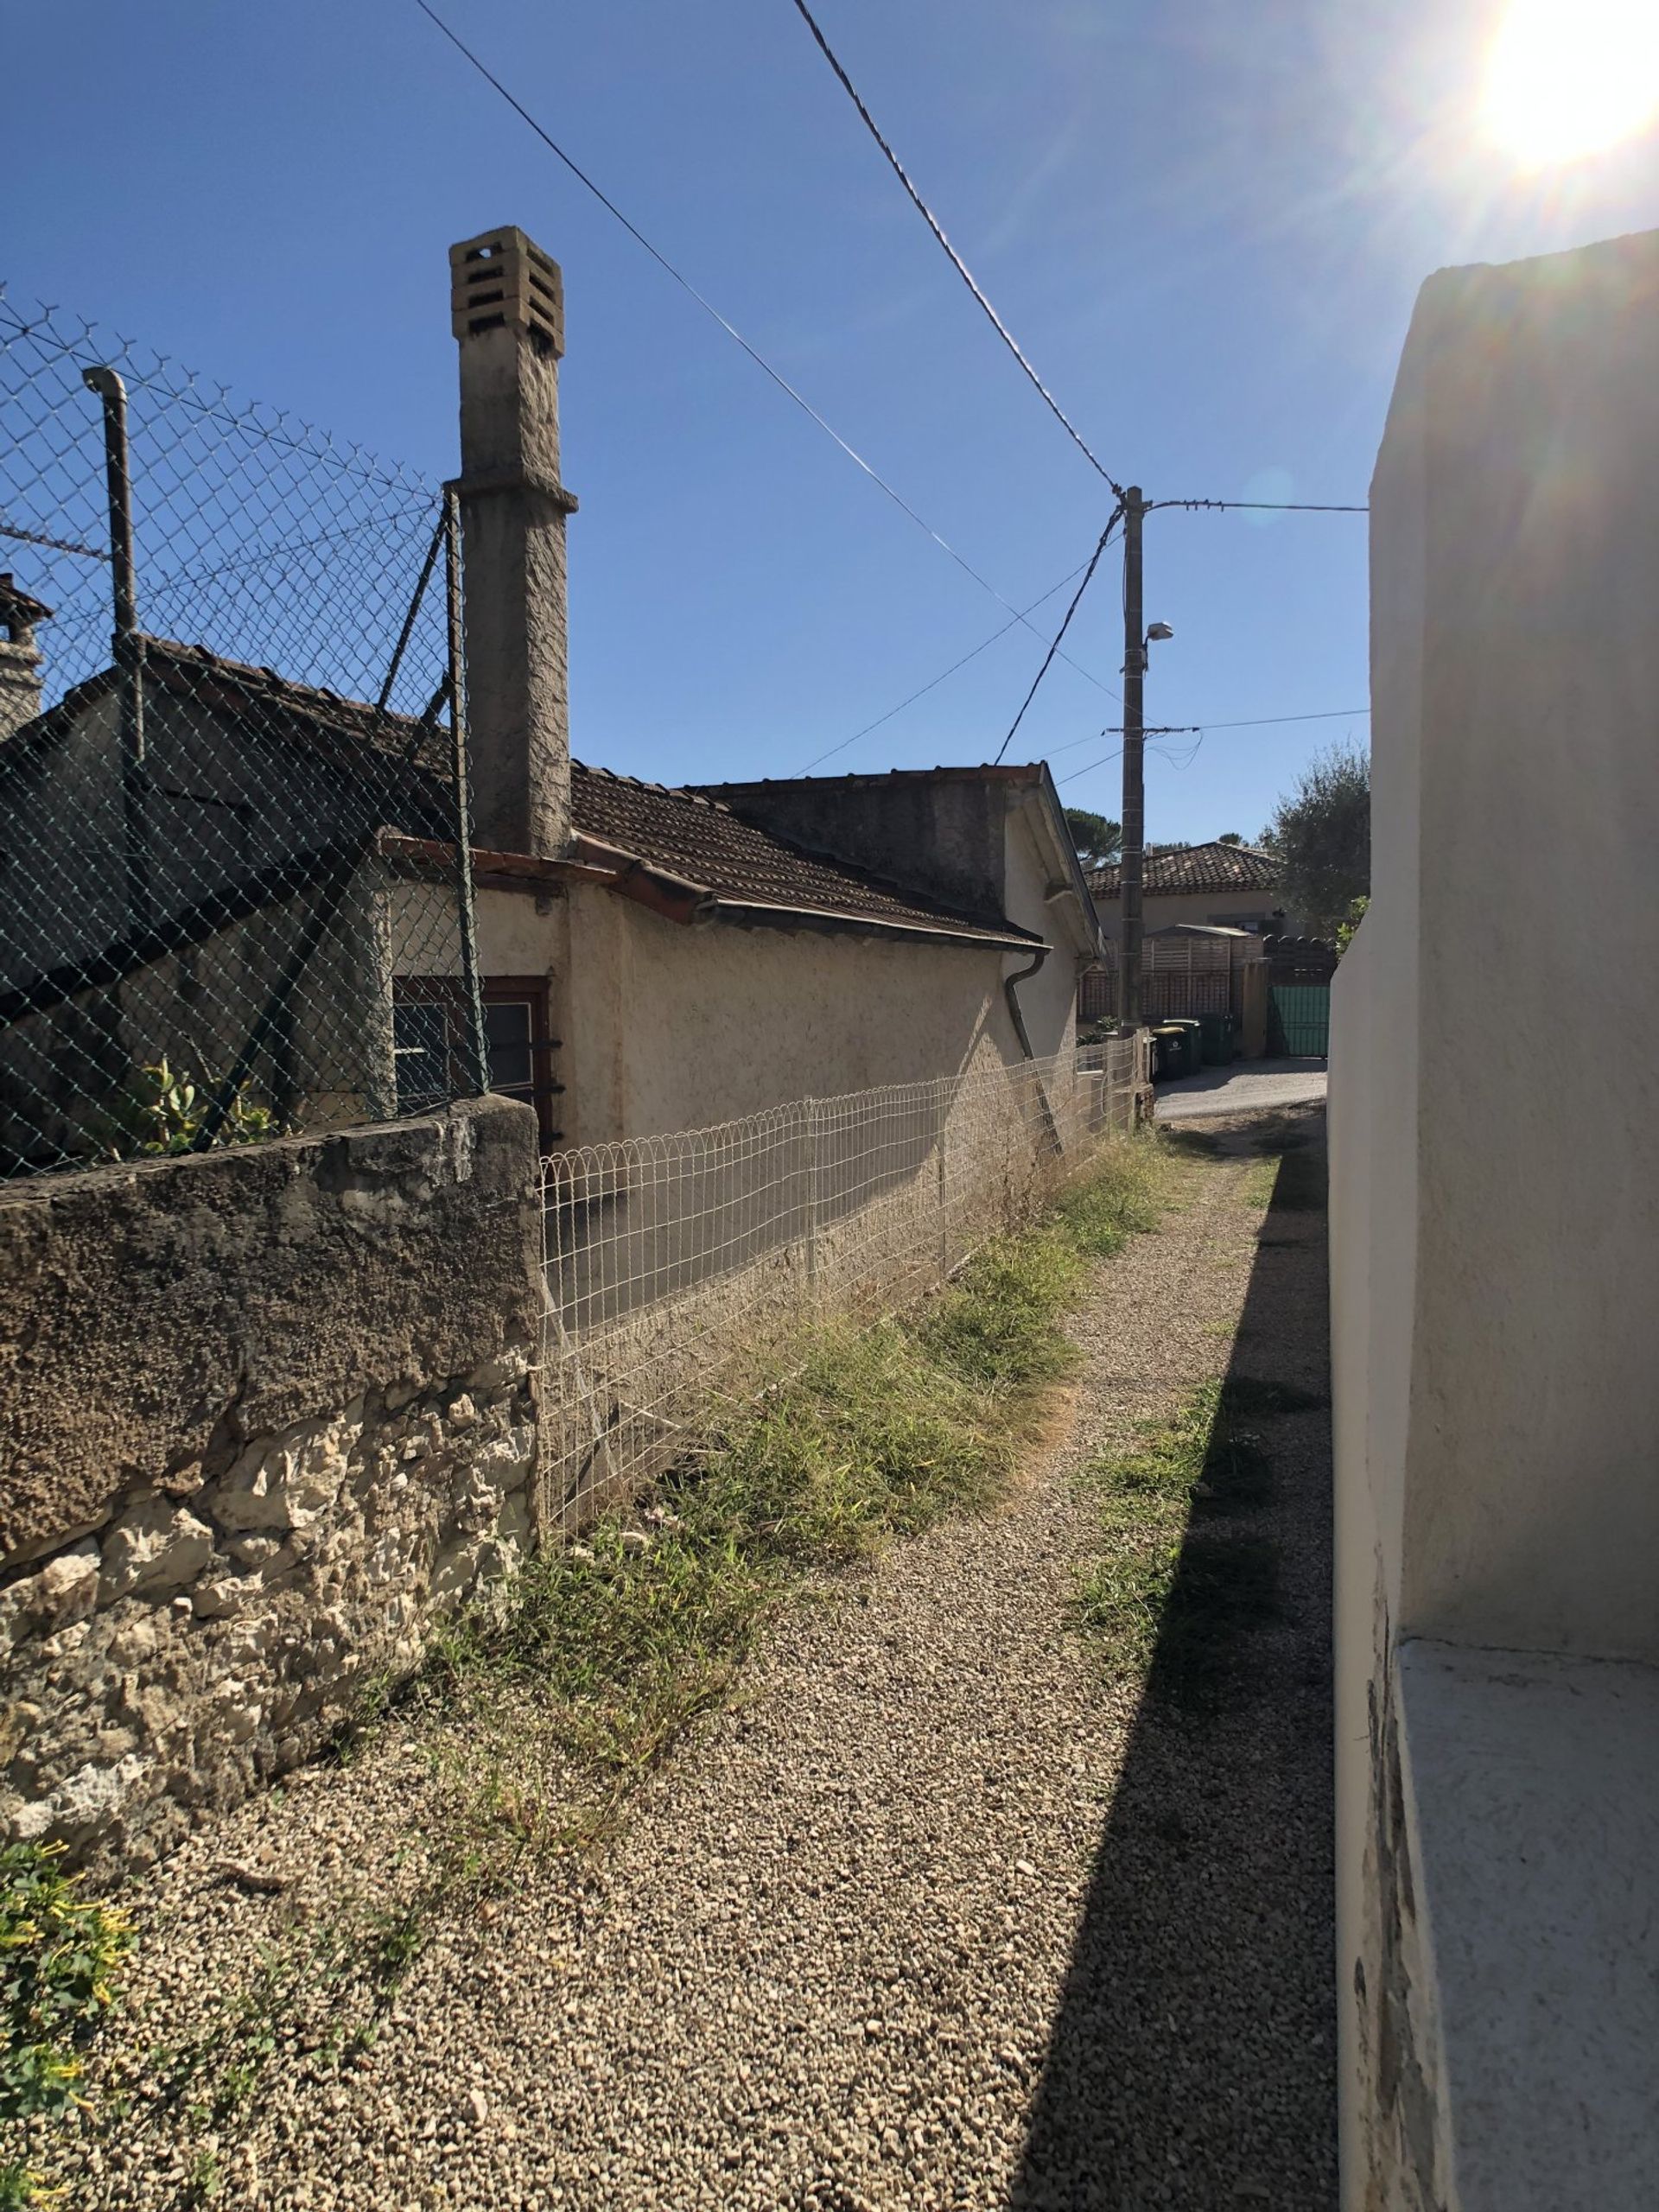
(731, 330)
(956, 261)
(1094, 563)
(933, 683)
(1183, 729)
(1200, 730)
(1252, 722)
(1264, 506)
(1261, 722)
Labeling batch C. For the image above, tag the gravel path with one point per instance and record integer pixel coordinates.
(928, 1918)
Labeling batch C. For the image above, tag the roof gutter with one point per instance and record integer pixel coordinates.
(603, 865)
(756, 914)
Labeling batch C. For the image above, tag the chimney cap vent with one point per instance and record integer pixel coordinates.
(18, 610)
(503, 279)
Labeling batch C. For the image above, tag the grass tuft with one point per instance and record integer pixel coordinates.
(1173, 1593)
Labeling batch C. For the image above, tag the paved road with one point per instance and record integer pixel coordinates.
(1236, 1089)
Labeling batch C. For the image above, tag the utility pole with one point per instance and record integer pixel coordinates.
(1135, 806)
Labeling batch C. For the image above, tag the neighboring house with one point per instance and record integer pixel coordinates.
(696, 966)
(1234, 885)
(990, 842)
(272, 890)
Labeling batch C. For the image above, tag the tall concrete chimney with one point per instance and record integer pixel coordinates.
(508, 308)
(20, 658)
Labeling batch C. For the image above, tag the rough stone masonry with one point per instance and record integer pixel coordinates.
(268, 1414)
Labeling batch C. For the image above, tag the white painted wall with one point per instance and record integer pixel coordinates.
(1494, 1098)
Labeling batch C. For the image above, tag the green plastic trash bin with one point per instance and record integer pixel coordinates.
(1216, 1032)
(1191, 1043)
(1168, 1053)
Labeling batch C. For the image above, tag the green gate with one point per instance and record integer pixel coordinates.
(1299, 1023)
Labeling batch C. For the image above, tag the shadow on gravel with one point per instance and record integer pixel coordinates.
(1192, 2061)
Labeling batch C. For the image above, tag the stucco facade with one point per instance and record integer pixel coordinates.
(667, 1027)
(991, 842)
(684, 1028)
(1495, 1267)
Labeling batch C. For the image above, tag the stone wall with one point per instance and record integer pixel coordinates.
(268, 1414)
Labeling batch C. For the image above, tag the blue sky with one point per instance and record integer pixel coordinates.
(1206, 225)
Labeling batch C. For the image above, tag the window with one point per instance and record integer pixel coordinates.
(521, 1050)
(421, 1048)
(429, 1020)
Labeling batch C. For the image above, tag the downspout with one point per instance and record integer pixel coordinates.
(1011, 993)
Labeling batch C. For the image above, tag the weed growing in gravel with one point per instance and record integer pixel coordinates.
(627, 1638)
(605, 1650)
(60, 1954)
(1173, 1592)
(1260, 1179)
(995, 1328)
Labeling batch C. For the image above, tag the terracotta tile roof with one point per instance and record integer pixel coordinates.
(1195, 867)
(299, 714)
(696, 840)
(700, 839)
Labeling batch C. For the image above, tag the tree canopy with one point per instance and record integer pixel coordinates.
(1320, 835)
(1098, 840)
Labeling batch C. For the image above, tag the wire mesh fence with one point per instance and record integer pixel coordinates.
(234, 897)
(681, 1270)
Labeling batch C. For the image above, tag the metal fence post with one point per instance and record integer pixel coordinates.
(476, 1049)
(127, 643)
(810, 1108)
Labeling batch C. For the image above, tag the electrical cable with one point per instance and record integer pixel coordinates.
(956, 261)
(1201, 730)
(934, 682)
(1261, 722)
(731, 330)
(1262, 507)
(1094, 563)
(1185, 729)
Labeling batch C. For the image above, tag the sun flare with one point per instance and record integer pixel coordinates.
(1568, 78)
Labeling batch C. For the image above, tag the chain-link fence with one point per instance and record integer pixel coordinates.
(234, 897)
(681, 1269)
